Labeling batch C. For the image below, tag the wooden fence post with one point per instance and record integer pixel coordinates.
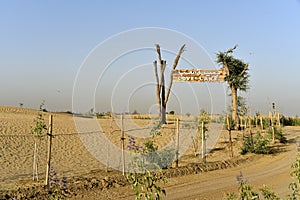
(49, 149)
(250, 127)
(250, 120)
(261, 121)
(229, 131)
(35, 167)
(278, 118)
(272, 126)
(123, 144)
(177, 143)
(256, 123)
(203, 143)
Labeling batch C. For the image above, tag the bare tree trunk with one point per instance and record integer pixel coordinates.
(234, 115)
(164, 113)
(163, 95)
(157, 89)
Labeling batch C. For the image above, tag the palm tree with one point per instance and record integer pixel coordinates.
(237, 77)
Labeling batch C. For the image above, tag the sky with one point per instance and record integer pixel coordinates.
(45, 46)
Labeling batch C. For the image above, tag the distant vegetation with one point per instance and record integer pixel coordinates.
(290, 121)
(103, 115)
(172, 112)
(141, 117)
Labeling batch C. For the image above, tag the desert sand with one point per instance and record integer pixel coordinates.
(71, 158)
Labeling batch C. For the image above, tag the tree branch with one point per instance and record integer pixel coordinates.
(231, 49)
(227, 72)
(171, 75)
(182, 49)
(158, 52)
(244, 70)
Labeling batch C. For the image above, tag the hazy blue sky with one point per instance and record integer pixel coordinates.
(44, 43)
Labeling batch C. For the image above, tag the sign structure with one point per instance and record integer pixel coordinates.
(198, 75)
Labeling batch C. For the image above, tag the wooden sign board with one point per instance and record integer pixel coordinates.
(198, 75)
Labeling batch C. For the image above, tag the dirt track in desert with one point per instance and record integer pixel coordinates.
(270, 170)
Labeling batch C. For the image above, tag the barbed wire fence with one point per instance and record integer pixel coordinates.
(69, 156)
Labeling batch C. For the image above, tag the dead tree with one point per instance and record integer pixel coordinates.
(161, 94)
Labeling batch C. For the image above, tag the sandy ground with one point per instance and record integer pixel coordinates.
(71, 158)
(270, 170)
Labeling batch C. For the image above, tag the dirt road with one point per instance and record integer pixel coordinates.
(272, 170)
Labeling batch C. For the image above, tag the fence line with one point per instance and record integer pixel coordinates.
(69, 155)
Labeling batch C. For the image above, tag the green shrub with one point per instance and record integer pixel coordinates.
(294, 186)
(267, 193)
(266, 122)
(100, 115)
(141, 177)
(261, 145)
(157, 159)
(296, 121)
(248, 146)
(278, 134)
(246, 191)
(145, 185)
(40, 125)
(258, 144)
(172, 112)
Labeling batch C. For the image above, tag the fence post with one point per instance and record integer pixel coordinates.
(123, 144)
(49, 149)
(250, 121)
(203, 143)
(278, 118)
(229, 131)
(35, 170)
(261, 121)
(250, 129)
(177, 142)
(272, 126)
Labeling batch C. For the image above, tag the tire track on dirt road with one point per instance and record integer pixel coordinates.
(272, 170)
